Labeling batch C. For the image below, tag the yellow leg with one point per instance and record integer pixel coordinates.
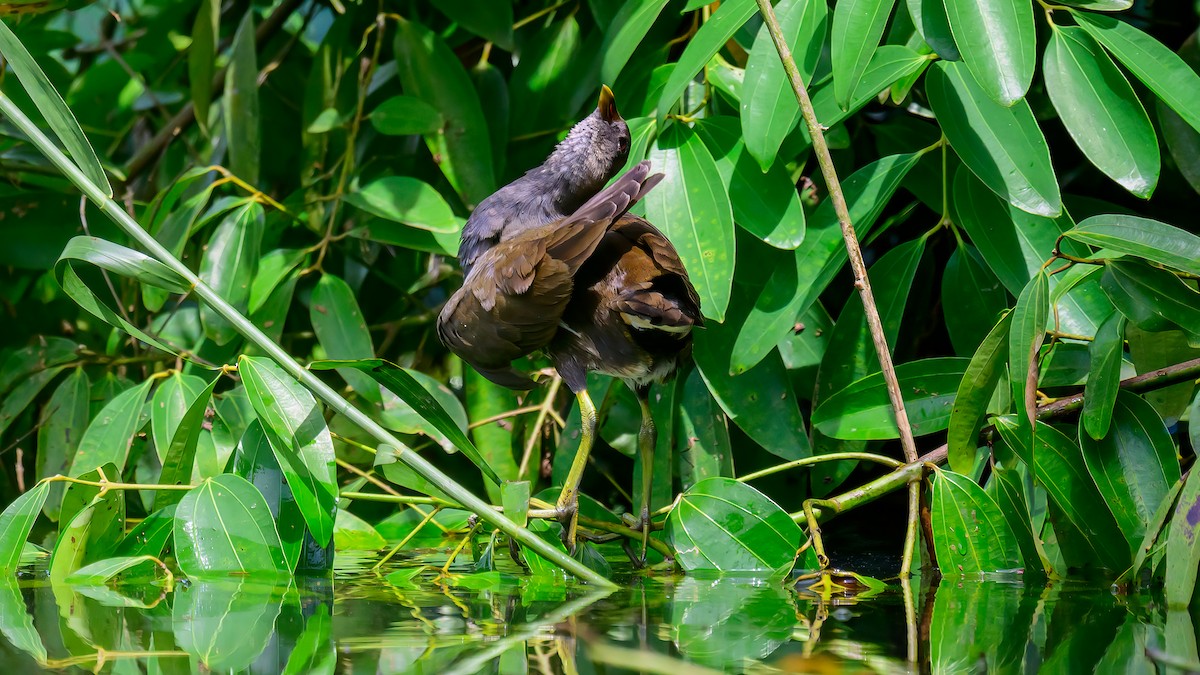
(647, 440)
(568, 500)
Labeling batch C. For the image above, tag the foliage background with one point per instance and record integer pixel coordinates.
(339, 147)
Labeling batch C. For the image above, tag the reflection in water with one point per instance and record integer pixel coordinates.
(500, 623)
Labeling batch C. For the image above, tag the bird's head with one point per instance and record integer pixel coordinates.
(596, 148)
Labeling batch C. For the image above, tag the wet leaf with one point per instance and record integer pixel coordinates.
(223, 527)
(15, 523)
(180, 460)
(351, 533)
(970, 533)
(149, 537)
(104, 571)
(226, 624)
(90, 534)
(721, 525)
(168, 407)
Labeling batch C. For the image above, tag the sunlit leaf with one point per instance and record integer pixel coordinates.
(342, 331)
(721, 525)
(103, 571)
(229, 265)
(1003, 146)
(405, 116)
(630, 25)
(351, 533)
(180, 459)
(1143, 237)
(709, 39)
(996, 39)
(90, 534)
(1152, 298)
(15, 523)
(240, 106)
(929, 18)
(406, 200)
(863, 410)
(857, 28)
(1025, 339)
(150, 536)
(168, 407)
(223, 527)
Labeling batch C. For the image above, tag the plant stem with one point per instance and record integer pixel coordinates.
(817, 459)
(395, 499)
(861, 281)
(266, 345)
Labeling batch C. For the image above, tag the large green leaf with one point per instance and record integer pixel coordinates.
(1134, 464)
(1159, 68)
(61, 425)
(769, 109)
(52, 108)
(229, 264)
(15, 523)
(1058, 464)
(1183, 544)
(703, 446)
(1002, 145)
(110, 435)
(342, 331)
(405, 116)
(240, 105)
(625, 33)
(692, 208)
(19, 398)
(766, 205)
(487, 400)
(978, 384)
(1100, 110)
(168, 407)
(707, 41)
(431, 72)
(863, 411)
(406, 200)
(492, 21)
(996, 39)
(297, 432)
(202, 58)
(544, 88)
(1151, 297)
(1104, 376)
(180, 460)
(224, 625)
(857, 28)
(125, 262)
(223, 527)
(1143, 237)
(150, 536)
(721, 525)
(91, 531)
(1024, 342)
(970, 534)
(929, 18)
(404, 385)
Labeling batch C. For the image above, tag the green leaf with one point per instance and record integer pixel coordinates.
(202, 58)
(406, 200)
(1101, 5)
(703, 446)
(769, 110)
(225, 624)
(760, 401)
(103, 571)
(110, 435)
(256, 461)
(1152, 298)
(978, 384)
(123, 261)
(863, 411)
(1024, 341)
(351, 533)
(1134, 464)
(273, 270)
(61, 424)
(857, 28)
(23, 394)
(1100, 110)
(773, 315)
(929, 17)
(630, 25)
(169, 406)
(406, 116)
(15, 523)
(239, 105)
(707, 41)
(1159, 68)
(229, 264)
(487, 400)
(890, 64)
(299, 437)
(515, 499)
(16, 623)
(1003, 146)
(149, 537)
(431, 72)
(342, 331)
(544, 89)
(997, 40)
(180, 460)
(1183, 544)
(692, 208)
(89, 535)
(1104, 376)
(53, 109)
(223, 527)
(721, 525)
(766, 205)
(39, 357)
(492, 21)
(1143, 237)
(973, 298)
(398, 415)
(1009, 492)
(404, 385)
(970, 534)
(1154, 529)
(1058, 464)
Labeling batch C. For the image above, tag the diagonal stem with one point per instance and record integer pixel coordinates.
(268, 346)
(861, 282)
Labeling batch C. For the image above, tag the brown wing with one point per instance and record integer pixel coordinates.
(512, 301)
(658, 291)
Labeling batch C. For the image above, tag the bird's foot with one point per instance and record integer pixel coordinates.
(642, 524)
(568, 517)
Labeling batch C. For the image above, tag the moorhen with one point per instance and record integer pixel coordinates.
(595, 288)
